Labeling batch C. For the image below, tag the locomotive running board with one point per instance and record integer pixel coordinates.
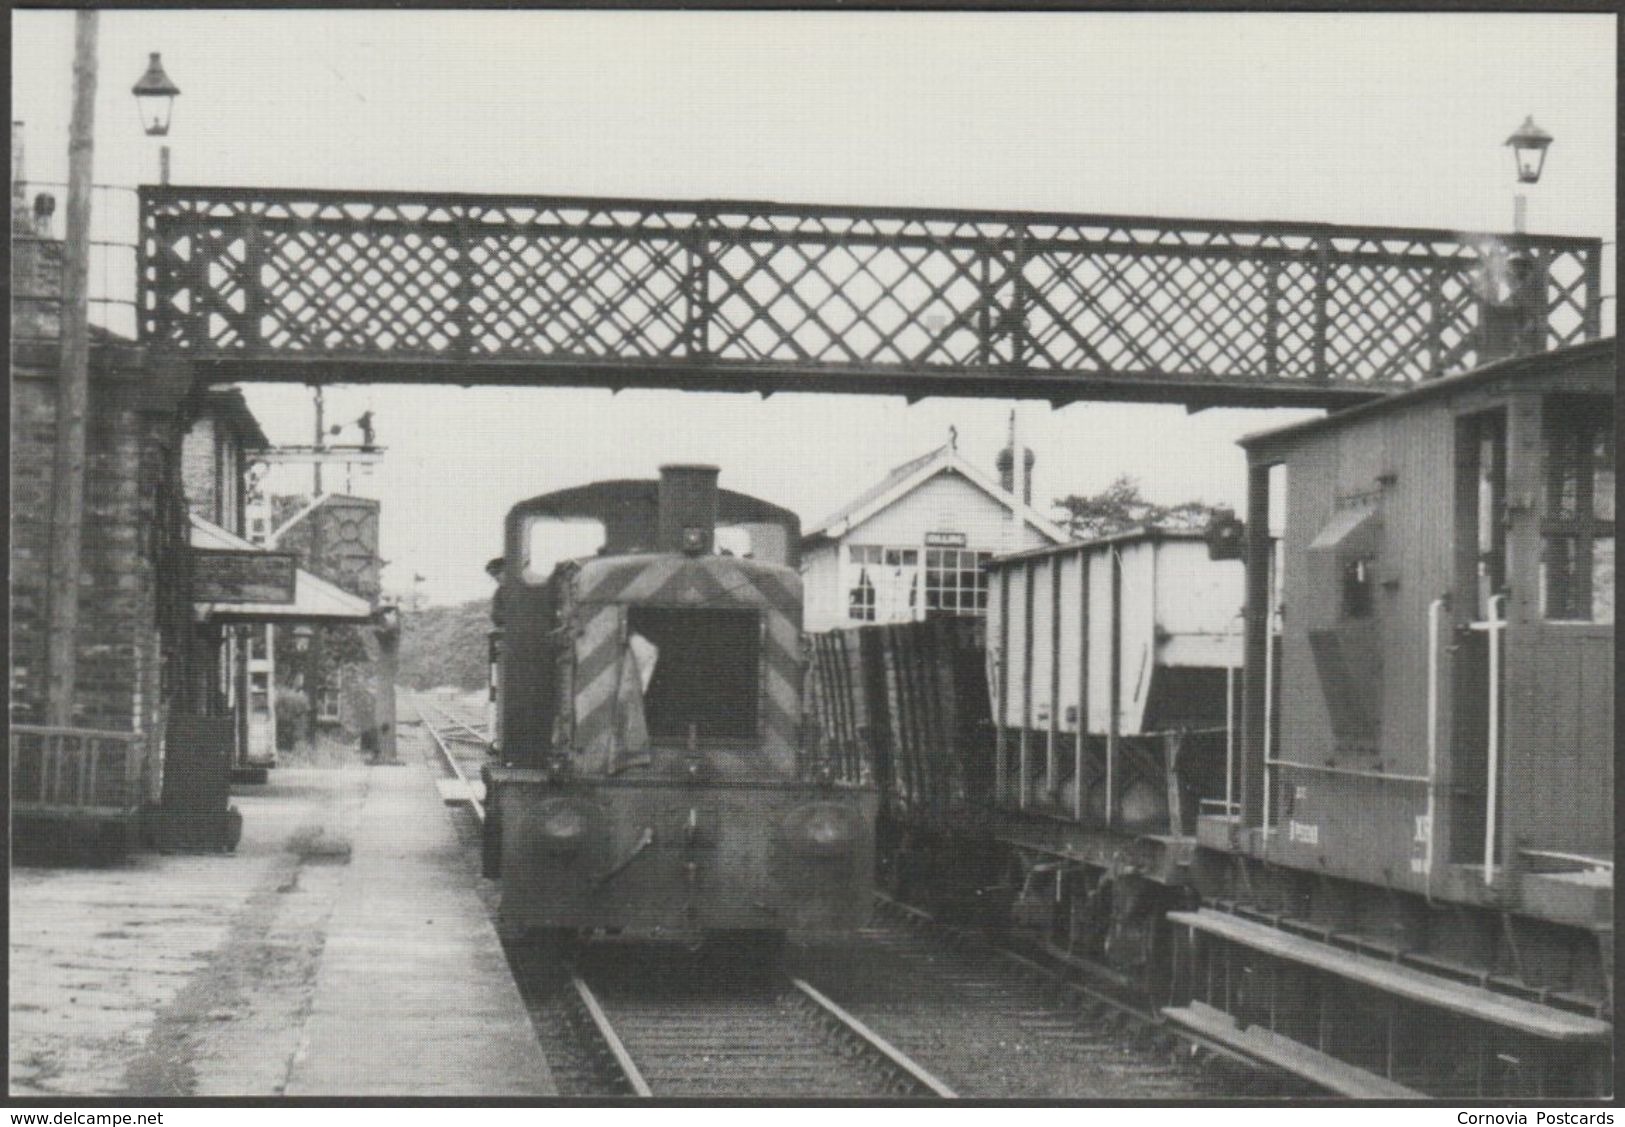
(1258, 1043)
(1417, 986)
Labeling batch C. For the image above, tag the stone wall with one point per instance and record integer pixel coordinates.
(36, 281)
(199, 462)
(133, 558)
(139, 657)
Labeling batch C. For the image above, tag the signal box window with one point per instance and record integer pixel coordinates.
(1577, 521)
(860, 604)
(955, 582)
(875, 568)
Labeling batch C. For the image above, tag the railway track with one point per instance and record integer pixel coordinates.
(1039, 1031)
(725, 1031)
(447, 732)
(911, 1008)
(684, 1027)
(997, 1026)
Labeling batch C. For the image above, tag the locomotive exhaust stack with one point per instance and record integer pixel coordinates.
(688, 509)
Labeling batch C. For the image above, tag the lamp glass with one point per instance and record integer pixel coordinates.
(155, 97)
(1531, 160)
(1529, 146)
(155, 110)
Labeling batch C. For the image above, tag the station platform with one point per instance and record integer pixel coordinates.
(414, 996)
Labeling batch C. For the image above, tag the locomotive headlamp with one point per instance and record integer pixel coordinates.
(695, 540)
(563, 823)
(1529, 146)
(821, 828)
(155, 98)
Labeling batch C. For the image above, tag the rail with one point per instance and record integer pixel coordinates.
(1062, 970)
(854, 1029)
(612, 1040)
(903, 1076)
(279, 284)
(75, 770)
(451, 760)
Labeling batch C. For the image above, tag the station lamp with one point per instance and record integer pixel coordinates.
(387, 618)
(1529, 146)
(155, 98)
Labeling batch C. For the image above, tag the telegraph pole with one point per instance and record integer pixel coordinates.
(73, 387)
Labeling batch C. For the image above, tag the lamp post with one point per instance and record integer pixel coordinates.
(1513, 281)
(155, 100)
(1529, 144)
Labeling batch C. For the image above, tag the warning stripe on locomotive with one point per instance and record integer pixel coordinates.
(605, 669)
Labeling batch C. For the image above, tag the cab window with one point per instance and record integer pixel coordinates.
(1577, 517)
(548, 541)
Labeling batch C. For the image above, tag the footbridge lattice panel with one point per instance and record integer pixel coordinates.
(286, 284)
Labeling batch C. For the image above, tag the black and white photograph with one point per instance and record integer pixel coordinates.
(613, 556)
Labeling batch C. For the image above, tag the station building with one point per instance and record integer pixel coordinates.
(915, 544)
(170, 592)
(231, 529)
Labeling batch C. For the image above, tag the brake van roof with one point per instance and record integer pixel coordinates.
(1541, 362)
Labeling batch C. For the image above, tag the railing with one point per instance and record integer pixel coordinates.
(266, 280)
(75, 770)
(112, 277)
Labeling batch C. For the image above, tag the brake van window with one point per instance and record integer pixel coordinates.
(1577, 519)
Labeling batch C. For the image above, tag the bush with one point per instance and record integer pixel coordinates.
(292, 713)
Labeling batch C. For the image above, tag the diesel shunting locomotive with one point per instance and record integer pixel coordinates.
(650, 771)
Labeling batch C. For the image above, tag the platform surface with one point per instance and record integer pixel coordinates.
(414, 996)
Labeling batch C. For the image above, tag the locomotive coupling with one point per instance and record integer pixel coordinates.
(557, 766)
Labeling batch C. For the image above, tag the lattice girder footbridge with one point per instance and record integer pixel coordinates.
(355, 286)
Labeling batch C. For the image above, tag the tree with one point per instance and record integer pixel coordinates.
(446, 646)
(1120, 507)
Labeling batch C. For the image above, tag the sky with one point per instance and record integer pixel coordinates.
(1338, 117)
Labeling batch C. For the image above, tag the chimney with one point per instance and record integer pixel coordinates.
(688, 509)
(1007, 472)
(44, 208)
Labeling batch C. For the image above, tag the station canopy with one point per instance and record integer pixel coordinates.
(237, 581)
